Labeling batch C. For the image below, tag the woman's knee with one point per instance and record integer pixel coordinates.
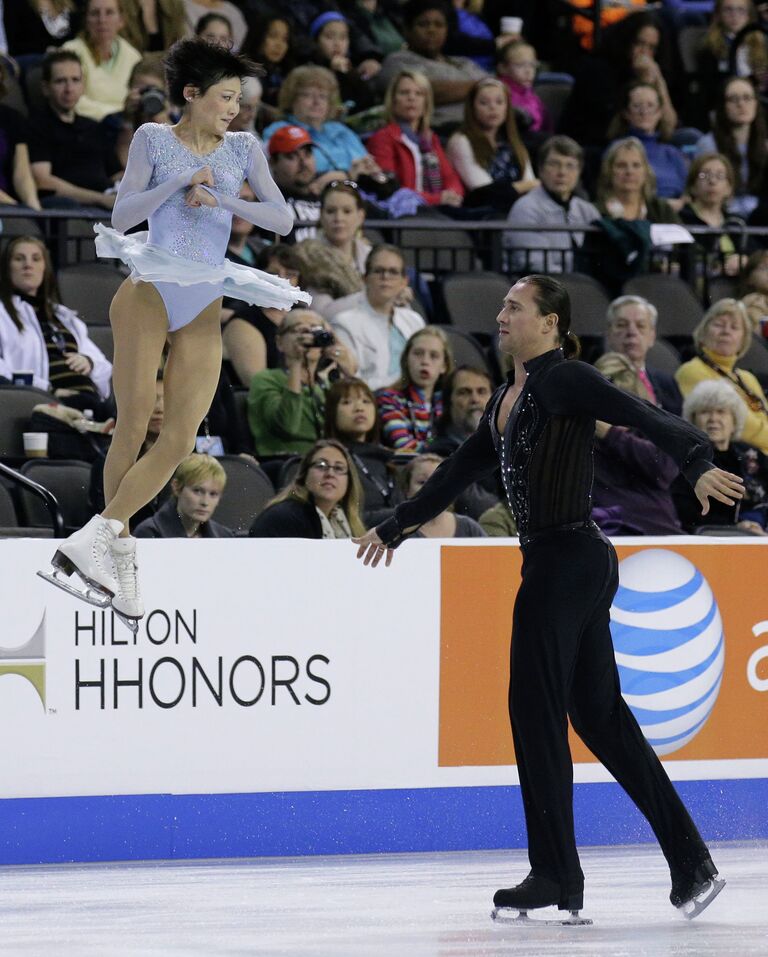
(176, 443)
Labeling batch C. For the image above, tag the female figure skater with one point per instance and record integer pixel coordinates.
(185, 180)
(540, 427)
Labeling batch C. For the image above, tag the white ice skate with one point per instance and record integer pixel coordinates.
(127, 603)
(87, 554)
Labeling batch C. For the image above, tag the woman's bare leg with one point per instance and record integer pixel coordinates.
(191, 376)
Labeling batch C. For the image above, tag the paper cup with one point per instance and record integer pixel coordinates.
(36, 445)
(511, 25)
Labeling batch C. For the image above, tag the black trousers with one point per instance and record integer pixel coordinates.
(562, 664)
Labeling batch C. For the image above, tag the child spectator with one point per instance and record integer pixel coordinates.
(411, 409)
(351, 417)
(270, 43)
(447, 524)
(323, 500)
(216, 29)
(194, 9)
(196, 489)
(516, 64)
(330, 31)
(487, 151)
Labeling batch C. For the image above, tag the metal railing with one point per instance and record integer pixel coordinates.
(39, 491)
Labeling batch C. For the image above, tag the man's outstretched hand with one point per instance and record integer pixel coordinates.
(371, 549)
(722, 486)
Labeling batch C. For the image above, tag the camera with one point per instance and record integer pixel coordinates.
(320, 338)
(152, 100)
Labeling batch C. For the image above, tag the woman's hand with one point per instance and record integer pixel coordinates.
(78, 363)
(450, 197)
(752, 527)
(722, 486)
(371, 549)
(368, 69)
(404, 297)
(342, 357)
(523, 186)
(203, 177)
(199, 196)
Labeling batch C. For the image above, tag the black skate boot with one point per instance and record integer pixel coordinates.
(535, 892)
(691, 893)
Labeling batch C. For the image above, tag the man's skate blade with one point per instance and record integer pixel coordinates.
(90, 594)
(511, 915)
(693, 908)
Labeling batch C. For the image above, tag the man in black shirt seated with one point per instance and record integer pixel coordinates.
(73, 159)
(292, 164)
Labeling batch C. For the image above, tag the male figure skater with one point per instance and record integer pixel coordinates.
(540, 427)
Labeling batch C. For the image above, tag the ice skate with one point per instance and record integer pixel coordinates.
(693, 894)
(511, 904)
(87, 554)
(127, 603)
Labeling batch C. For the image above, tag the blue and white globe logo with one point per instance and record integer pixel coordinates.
(670, 647)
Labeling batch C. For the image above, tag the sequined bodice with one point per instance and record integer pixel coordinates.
(197, 233)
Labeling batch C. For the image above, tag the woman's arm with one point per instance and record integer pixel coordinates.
(271, 210)
(101, 367)
(23, 180)
(135, 202)
(396, 428)
(246, 349)
(459, 154)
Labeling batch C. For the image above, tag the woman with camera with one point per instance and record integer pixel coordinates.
(286, 407)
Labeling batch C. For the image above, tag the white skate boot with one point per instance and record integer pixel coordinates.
(87, 554)
(127, 603)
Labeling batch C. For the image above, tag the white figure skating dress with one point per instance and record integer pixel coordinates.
(183, 255)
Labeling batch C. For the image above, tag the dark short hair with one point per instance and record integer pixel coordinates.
(286, 255)
(446, 421)
(197, 63)
(202, 23)
(414, 8)
(341, 390)
(563, 146)
(58, 56)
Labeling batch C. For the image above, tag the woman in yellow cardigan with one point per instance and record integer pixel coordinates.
(721, 338)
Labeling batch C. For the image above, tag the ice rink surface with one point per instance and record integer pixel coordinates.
(420, 905)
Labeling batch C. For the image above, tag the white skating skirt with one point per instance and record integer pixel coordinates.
(150, 263)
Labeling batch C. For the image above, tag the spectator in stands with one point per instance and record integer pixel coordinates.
(411, 409)
(330, 31)
(309, 98)
(740, 133)
(292, 163)
(715, 408)
(487, 151)
(499, 521)
(723, 337)
(107, 59)
(146, 102)
(465, 395)
(633, 49)
(342, 214)
(216, 29)
(373, 26)
(753, 290)
(323, 501)
(270, 43)
(16, 181)
(709, 187)
(516, 64)
(626, 188)
(34, 26)
(328, 275)
(250, 332)
(250, 106)
(72, 160)
(714, 58)
(631, 491)
(631, 333)
(195, 9)
(38, 333)
(376, 323)
(551, 204)
(408, 147)
(640, 116)
(152, 26)
(447, 524)
(286, 407)
(351, 417)
(197, 486)
(427, 23)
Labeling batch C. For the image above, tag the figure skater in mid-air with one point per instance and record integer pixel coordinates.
(539, 426)
(185, 180)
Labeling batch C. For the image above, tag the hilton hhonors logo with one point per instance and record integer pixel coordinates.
(27, 661)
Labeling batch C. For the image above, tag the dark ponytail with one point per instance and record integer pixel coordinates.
(551, 296)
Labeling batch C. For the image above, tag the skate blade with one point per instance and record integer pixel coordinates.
(91, 595)
(693, 908)
(132, 624)
(503, 915)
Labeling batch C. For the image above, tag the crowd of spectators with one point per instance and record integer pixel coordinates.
(378, 109)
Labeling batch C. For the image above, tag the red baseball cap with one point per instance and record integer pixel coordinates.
(288, 139)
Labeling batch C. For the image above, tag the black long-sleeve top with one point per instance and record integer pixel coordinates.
(545, 450)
